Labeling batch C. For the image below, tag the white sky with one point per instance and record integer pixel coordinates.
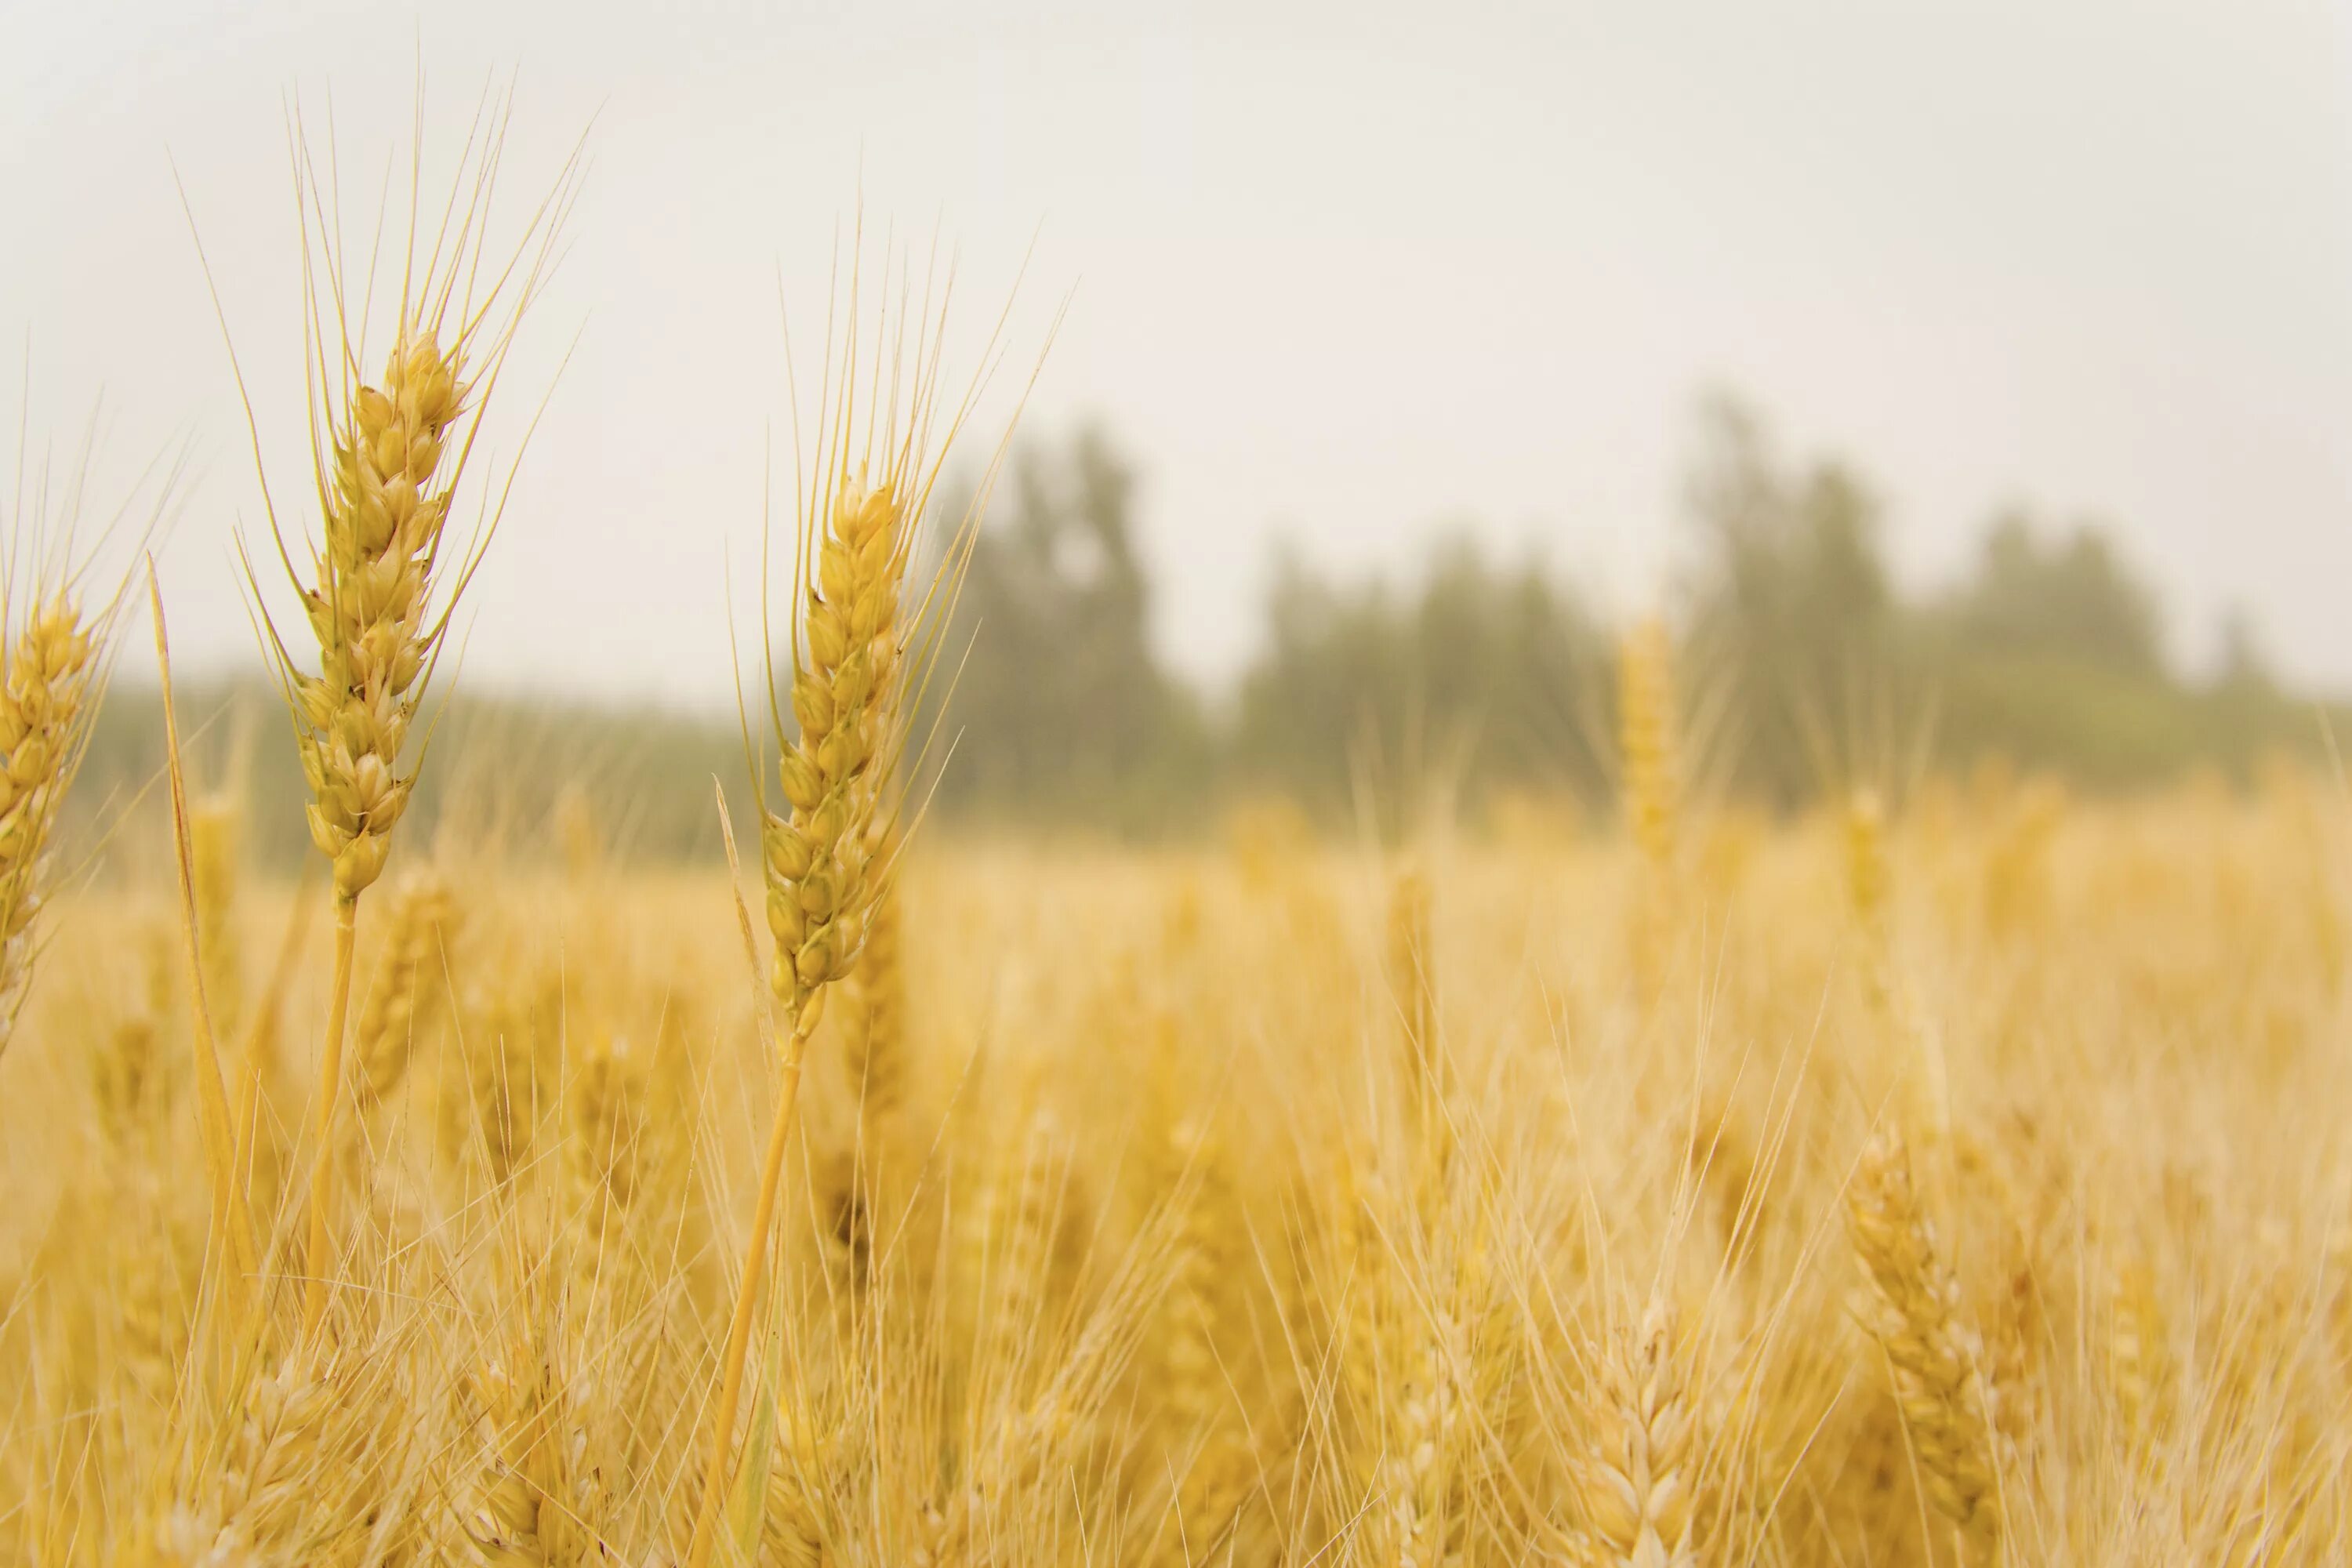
(1341, 273)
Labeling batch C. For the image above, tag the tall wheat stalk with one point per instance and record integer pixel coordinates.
(231, 1226)
(387, 456)
(859, 653)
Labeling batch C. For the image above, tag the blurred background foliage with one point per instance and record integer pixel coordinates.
(1805, 667)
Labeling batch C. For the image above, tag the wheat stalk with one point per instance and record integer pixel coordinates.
(231, 1222)
(216, 833)
(387, 456)
(859, 650)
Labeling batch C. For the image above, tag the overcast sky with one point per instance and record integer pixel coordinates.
(1336, 274)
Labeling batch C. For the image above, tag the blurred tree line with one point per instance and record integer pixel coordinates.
(1802, 665)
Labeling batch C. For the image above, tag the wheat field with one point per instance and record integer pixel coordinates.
(1965, 1190)
(1952, 1175)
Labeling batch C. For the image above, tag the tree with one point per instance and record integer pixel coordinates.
(2071, 597)
(1060, 709)
(1476, 679)
(1791, 599)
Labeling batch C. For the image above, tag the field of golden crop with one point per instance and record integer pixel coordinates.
(1955, 1179)
(1966, 1189)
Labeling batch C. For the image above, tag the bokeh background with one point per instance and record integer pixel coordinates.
(1966, 386)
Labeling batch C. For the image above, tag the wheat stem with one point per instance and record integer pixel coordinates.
(317, 1260)
(231, 1226)
(260, 1028)
(747, 1293)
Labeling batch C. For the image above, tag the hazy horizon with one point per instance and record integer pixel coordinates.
(1334, 277)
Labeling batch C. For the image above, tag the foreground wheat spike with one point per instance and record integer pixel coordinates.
(384, 521)
(261, 1501)
(1212, 1488)
(822, 882)
(505, 1526)
(45, 705)
(1913, 1312)
(1420, 1479)
(300, 1467)
(385, 501)
(855, 641)
(1640, 1484)
(386, 458)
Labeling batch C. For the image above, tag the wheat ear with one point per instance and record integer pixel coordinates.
(43, 723)
(384, 521)
(386, 458)
(820, 883)
(56, 638)
(856, 645)
(1641, 1484)
(1914, 1313)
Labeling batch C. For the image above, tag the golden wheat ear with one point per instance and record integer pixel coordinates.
(861, 641)
(58, 620)
(45, 706)
(389, 451)
(388, 456)
(1932, 1356)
